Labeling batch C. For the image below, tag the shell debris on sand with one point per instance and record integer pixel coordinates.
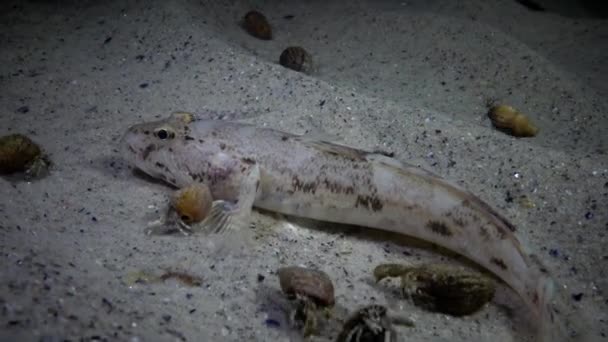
(256, 24)
(18, 153)
(508, 119)
(296, 58)
(312, 289)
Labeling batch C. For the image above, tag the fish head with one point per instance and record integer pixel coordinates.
(153, 147)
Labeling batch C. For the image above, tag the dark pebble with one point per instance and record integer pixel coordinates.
(143, 85)
(589, 215)
(23, 109)
(272, 323)
(109, 39)
(554, 252)
(261, 277)
(577, 296)
(167, 318)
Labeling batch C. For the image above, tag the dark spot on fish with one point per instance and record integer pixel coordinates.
(439, 228)
(483, 231)
(499, 263)
(535, 298)
(248, 161)
(384, 153)
(335, 187)
(284, 138)
(305, 187)
(369, 202)
(459, 222)
(187, 137)
(222, 146)
(146, 152)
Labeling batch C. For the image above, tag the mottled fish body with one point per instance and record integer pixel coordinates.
(295, 175)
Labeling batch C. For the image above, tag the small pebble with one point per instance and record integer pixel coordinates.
(272, 323)
(554, 252)
(577, 296)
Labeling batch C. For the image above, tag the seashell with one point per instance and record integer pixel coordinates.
(510, 120)
(312, 284)
(296, 58)
(368, 324)
(442, 288)
(17, 153)
(192, 203)
(256, 24)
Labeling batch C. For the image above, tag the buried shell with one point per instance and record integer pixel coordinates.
(510, 120)
(296, 58)
(442, 288)
(192, 203)
(256, 24)
(304, 282)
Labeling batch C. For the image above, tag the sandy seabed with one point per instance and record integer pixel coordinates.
(410, 77)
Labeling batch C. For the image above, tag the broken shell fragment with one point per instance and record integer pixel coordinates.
(193, 203)
(256, 24)
(513, 122)
(296, 58)
(442, 288)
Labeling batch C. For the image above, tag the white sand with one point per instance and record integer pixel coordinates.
(410, 77)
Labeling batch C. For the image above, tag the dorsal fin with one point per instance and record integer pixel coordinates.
(334, 149)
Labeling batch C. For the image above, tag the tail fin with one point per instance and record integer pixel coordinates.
(558, 322)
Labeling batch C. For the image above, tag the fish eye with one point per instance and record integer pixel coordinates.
(163, 134)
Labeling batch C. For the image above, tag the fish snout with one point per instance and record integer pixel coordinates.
(131, 144)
